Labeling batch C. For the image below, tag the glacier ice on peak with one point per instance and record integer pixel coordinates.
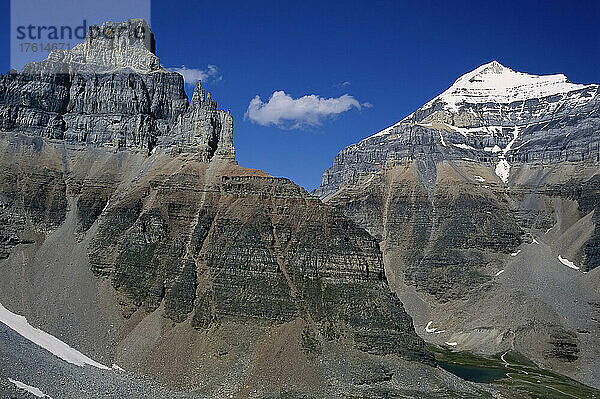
(495, 83)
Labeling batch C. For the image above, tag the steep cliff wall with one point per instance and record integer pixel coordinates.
(112, 91)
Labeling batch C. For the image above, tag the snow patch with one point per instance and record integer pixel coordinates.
(451, 343)
(471, 131)
(512, 142)
(493, 149)
(384, 132)
(116, 367)
(519, 147)
(32, 390)
(465, 146)
(434, 330)
(499, 273)
(52, 344)
(429, 329)
(503, 170)
(369, 179)
(479, 179)
(535, 241)
(516, 253)
(442, 140)
(567, 262)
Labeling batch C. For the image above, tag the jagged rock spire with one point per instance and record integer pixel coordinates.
(199, 96)
(204, 129)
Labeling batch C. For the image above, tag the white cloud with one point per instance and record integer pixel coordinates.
(284, 111)
(192, 75)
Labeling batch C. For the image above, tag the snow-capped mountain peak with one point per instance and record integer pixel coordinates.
(493, 82)
(498, 86)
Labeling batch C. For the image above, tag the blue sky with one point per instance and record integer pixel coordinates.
(392, 55)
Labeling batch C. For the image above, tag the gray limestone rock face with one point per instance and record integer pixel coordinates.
(492, 116)
(203, 127)
(111, 91)
(106, 48)
(485, 204)
(259, 249)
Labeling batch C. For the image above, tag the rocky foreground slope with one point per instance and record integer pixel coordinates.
(486, 203)
(129, 232)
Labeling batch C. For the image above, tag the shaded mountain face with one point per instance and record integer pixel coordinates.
(485, 202)
(129, 232)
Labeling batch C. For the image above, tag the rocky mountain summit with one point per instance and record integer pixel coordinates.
(492, 115)
(111, 91)
(130, 233)
(485, 202)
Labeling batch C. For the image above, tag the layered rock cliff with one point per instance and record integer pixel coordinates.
(485, 202)
(492, 115)
(111, 91)
(129, 232)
